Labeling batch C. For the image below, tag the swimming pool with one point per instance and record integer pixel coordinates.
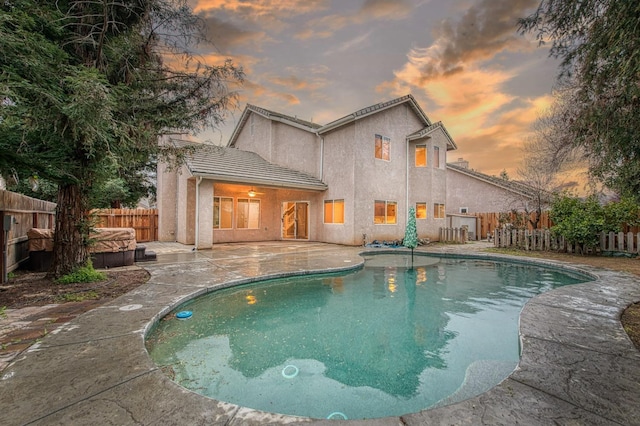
(385, 340)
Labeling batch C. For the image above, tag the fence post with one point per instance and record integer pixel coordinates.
(630, 246)
(547, 240)
(620, 241)
(612, 242)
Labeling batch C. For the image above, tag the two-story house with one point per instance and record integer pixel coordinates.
(350, 181)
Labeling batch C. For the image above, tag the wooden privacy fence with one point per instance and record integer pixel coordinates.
(144, 221)
(21, 213)
(489, 222)
(544, 240)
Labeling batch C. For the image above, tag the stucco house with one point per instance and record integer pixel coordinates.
(349, 182)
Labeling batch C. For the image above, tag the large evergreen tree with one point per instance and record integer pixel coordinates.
(599, 44)
(86, 86)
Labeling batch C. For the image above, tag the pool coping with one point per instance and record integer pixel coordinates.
(577, 364)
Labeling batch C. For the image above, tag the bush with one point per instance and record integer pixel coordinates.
(619, 213)
(580, 221)
(84, 274)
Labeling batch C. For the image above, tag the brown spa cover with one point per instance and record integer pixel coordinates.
(104, 240)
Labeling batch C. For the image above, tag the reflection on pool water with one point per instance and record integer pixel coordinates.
(388, 339)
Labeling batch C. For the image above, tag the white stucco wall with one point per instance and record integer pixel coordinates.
(255, 136)
(355, 175)
(428, 184)
(339, 174)
(476, 195)
(295, 149)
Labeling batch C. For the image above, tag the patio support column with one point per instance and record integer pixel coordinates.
(204, 217)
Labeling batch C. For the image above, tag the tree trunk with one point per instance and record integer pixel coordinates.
(72, 230)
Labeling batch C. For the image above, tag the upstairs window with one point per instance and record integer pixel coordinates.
(248, 213)
(421, 156)
(438, 211)
(421, 210)
(436, 157)
(383, 146)
(385, 212)
(334, 211)
(222, 212)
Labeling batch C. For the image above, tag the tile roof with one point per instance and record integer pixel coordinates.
(232, 165)
(272, 114)
(376, 108)
(432, 128)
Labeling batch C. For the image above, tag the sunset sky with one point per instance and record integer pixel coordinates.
(463, 60)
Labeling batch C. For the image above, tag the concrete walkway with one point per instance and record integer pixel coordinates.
(578, 366)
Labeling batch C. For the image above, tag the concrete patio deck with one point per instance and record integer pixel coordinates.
(577, 367)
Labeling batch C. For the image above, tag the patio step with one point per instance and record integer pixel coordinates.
(142, 255)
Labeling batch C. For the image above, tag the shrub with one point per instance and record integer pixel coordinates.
(84, 274)
(580, 221)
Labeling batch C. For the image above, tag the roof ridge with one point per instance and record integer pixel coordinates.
(362, 112)
(270, 113)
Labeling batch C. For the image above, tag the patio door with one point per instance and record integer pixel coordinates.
(295, 220)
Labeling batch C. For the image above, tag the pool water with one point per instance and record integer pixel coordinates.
(388, 339)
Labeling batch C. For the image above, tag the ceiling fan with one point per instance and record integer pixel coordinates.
(252, 193)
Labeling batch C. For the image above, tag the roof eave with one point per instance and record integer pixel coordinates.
(236, 131)
(354, 116)
(451, 145)
(334, 125)
(260, 182)
(245, 116)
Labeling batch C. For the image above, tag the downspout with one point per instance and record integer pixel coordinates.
(198, 181)
(321, 157)
(407, 182)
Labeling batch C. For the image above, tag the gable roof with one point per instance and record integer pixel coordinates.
(347, 119)
(232, 165)
(373, 109)
(513, 186)
(432, 128)
(270, 115)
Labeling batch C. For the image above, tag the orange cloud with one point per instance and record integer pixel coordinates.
(371, 10)
(268, 14)
(263, 96)
(263, 7)
(451, 76)
(292, 82)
